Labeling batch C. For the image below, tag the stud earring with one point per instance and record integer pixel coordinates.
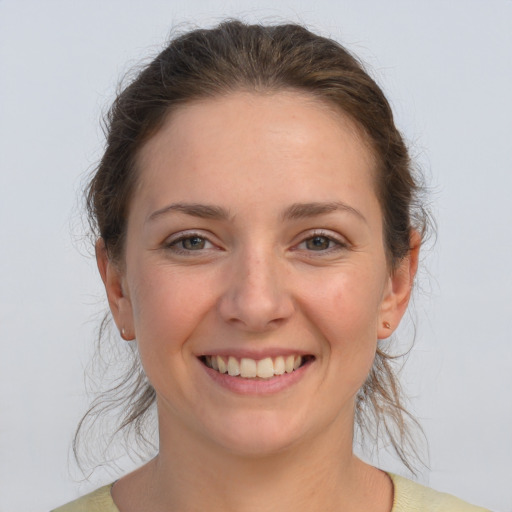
(124, 335)
(387, 325)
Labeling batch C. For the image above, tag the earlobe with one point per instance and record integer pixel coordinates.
(399, 290)
(118, 298)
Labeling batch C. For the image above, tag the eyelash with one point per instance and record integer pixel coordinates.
(174, 244)
(339, 245)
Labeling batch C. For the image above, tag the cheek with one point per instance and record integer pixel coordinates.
(167, 307)
(345, 305)
(344, 310)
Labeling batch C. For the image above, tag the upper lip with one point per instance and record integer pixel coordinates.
(256, 354)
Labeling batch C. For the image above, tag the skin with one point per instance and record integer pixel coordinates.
(256, 281)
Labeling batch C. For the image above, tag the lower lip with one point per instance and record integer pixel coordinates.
(257, 386)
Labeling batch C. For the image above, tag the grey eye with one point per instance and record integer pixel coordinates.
(193, 243)
(318, 243)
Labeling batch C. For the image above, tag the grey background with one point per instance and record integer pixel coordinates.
(447, 69)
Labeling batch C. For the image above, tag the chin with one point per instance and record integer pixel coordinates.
(257, 435)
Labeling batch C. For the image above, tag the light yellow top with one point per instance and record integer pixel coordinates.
(408, 497)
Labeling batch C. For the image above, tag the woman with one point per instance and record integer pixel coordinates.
(258, 237)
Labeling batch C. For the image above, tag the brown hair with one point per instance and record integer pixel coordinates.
(231, 57)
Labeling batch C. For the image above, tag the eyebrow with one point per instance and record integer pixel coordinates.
(203, 211)
(304, 210)
(294, 212)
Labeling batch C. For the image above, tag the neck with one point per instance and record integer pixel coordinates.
(289, 480)
(320, 473)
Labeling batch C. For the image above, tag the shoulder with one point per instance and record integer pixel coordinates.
(409, 497)
(98, 501)
(413, 497)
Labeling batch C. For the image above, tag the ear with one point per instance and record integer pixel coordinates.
(118, 299)
(399, 288)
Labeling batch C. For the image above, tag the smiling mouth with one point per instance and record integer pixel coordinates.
(246, 368)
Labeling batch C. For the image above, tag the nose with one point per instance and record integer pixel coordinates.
(256, 298)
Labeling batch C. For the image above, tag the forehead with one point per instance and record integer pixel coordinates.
(256, 110)
(258, 143)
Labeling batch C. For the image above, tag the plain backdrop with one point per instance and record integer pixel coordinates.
(446, 67)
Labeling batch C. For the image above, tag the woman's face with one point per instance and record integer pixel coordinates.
(254, 242)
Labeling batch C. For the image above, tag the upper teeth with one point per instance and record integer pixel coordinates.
(250, 368)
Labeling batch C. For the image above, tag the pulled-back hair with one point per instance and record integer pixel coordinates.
(232, 57)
